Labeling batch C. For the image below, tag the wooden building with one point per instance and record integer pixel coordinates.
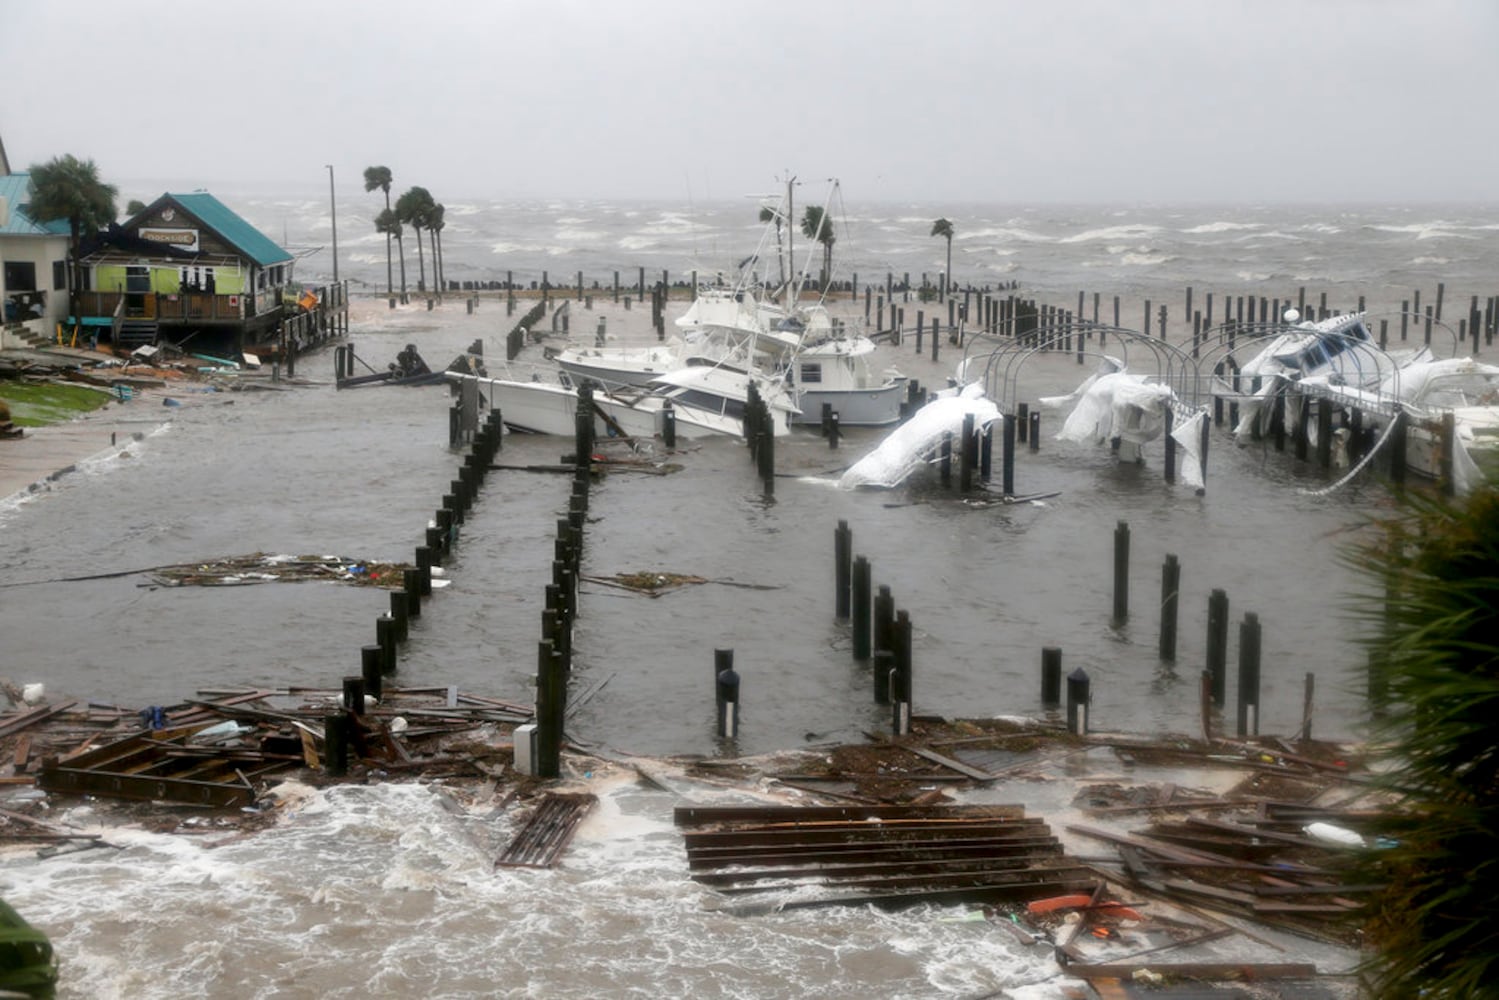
(187, 270)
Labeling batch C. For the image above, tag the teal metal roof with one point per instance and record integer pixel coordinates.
(244, 237)
(15, 189)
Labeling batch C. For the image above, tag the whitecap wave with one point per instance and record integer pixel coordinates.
(1129, 232)
(1222, 227)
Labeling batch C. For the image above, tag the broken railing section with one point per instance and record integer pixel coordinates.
(889, 856)
(548, 831)
(538, 745)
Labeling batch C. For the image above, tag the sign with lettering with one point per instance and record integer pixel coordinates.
(182, 239)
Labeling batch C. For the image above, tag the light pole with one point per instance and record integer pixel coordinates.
(333, 207)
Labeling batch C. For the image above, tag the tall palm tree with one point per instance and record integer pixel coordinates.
(135, 207)
(768, 214)
(387, 223)
(380, 177)
(411, 209)
(66, 187)
(943, 228)
(816, 225)
(435, 227)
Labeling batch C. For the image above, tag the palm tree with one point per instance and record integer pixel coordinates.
(817, 226)
(411, 209)
(134, 208)
(435, 226)
(66, 187)
(1433, 602)
(387, 223)
(768, 214)
(943, 228)
(380, 177)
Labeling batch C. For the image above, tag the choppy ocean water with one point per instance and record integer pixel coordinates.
(384, 887)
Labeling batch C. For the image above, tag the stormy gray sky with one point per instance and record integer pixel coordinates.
(982, 100)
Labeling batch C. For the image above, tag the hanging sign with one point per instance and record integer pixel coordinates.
(182, 239)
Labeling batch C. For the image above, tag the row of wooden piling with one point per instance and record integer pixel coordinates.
(538, 745)
(380, 660)
(882, 634)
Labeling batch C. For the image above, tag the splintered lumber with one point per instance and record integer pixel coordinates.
(1210, 971)
(18, 721)
(160, 766)
(983, 777)
(888, 855)
(540, 843)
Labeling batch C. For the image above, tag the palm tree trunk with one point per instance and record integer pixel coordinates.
(442, 277)
(401, 249)
(947, 278)
(436, 281)
(421, 260)
(75, 283)
(389, 279)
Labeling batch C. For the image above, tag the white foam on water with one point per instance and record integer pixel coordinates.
(1221, 226)
(389, 890)
(1129, 232)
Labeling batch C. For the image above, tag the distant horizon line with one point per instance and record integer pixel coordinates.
(312, 189)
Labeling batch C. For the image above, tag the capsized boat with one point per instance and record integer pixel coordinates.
(1338, 348)
(917, 442)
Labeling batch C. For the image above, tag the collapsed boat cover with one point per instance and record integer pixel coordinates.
(1113, 403)
(913, 443)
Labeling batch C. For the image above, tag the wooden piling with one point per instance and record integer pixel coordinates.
(370, 670)
(1217, 644)
(1051, 675)
(1079, 697)
(843, 555)
(1170, 592)
(1121, 572)
(1249, 676)
(861, 613)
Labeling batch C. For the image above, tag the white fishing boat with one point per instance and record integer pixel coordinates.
(706, 400)
(836, 371)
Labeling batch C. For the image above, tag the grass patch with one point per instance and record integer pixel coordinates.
(36, 404)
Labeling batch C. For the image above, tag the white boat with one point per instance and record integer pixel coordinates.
(1466, 390)
(835, 371)
(706, 400)
(1338, 348)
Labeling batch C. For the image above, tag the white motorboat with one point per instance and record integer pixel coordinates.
(835, 371)
(706, 400)
(1464, 388)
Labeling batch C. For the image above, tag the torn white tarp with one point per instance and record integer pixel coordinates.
(1117, 405)
(913, 443)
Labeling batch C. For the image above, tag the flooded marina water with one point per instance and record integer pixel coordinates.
(389, 889)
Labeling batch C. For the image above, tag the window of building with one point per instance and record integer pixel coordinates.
(59, 275)
(20, 276)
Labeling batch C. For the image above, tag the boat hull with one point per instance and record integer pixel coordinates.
(855, 407)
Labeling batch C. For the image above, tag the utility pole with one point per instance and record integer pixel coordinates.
(333, 206)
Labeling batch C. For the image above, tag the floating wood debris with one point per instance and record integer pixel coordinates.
(890, 856)
(258, 567)
(548, 831)
(654, 584)
(1266, 862)
(165, 766)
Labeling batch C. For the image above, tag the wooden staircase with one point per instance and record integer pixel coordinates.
(131, 334)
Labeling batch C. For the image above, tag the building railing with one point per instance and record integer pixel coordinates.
(180, 307)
